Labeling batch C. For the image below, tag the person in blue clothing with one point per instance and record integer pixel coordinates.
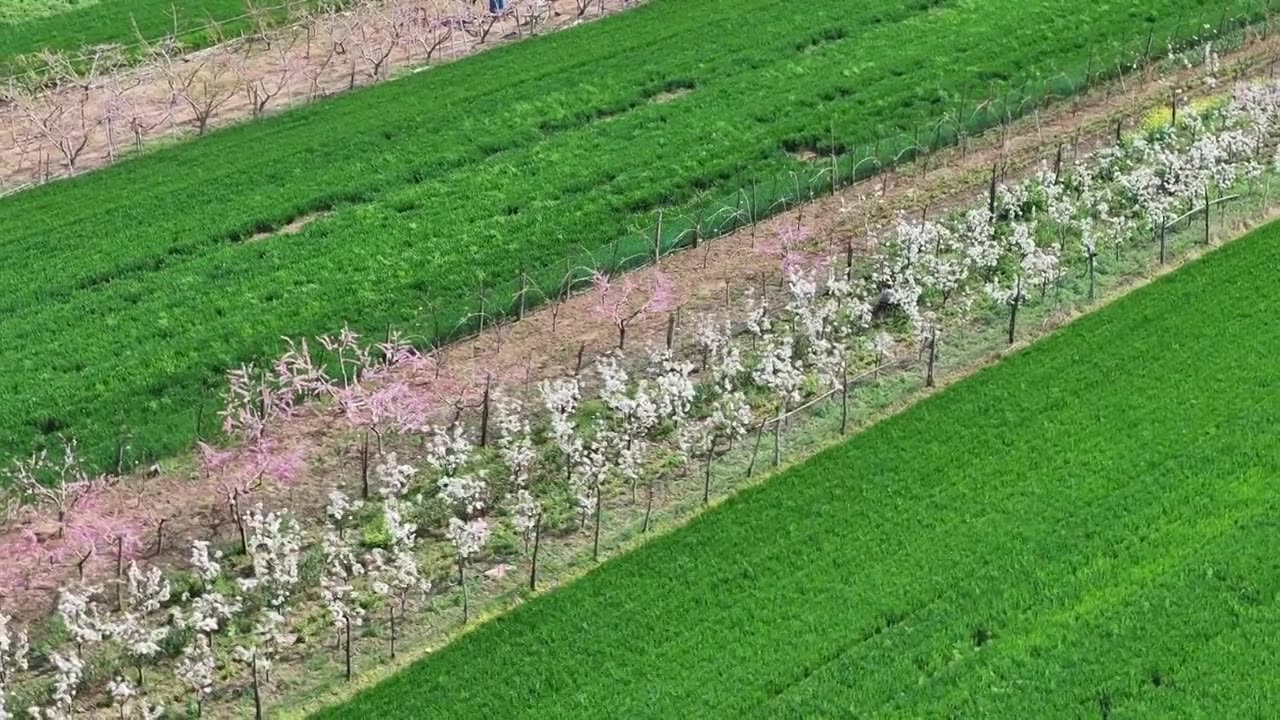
(497, 6)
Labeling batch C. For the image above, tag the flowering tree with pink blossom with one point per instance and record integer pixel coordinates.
(621, 301)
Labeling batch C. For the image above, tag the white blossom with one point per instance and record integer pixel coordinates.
(779, 372)
(68, 672)
(79, 615)
(210, 612)
(275, 542)
(13, 659)
(468, 537)
(196, 668)
(205, 565)
(149, 590)
(515, 443)
(561, 397)
(394, 478)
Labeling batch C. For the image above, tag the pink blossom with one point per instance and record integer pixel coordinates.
(623, 300)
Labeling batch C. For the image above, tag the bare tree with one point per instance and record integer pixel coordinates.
(262, 87)
(57, 96)
(497, 10)
(431, 27)
(204, 85)
(380, 32)
(340, 29)
(120, 110)
(61, 120)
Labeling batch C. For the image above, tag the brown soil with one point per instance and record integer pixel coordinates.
(291, 228)
(669, 95)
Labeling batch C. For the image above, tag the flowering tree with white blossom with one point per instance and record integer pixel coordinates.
(196, 670)
(13, 659)
(396, 576)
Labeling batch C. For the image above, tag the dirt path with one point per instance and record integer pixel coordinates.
(88, 122)
(548, 341)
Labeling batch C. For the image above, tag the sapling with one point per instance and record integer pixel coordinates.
(13, 659)
(196, 670)
(339, 592)
(136, 628)
(468, 538)
(779, 372)
(68, 672)
(729, 421)
(621, 301)
(395, 575)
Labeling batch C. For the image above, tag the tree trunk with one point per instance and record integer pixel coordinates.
(933, 357)
(1092, 273)
(844, 398)
(751, 466)
(537, 541)
(348, 634)
(484, 414)
(119, 573)
(1206, 214)
(595, 543)
(991, 193)
(777, 438)
(392, 608)
(244, 535)
(257, 692)
(364, 467)
(462, 582)
(1164, 229)
(706, 477)
(648, 508)
(1013, 310)
(160, 535)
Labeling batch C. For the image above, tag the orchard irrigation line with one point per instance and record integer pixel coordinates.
(6, 192)
(1199, 209)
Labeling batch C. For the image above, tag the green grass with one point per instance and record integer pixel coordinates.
(1090, 523)
(28, 26)
(127, 292)
(16, 11)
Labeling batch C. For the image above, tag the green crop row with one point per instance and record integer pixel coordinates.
(1086, 529)
(80, 25)
(125, 293)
